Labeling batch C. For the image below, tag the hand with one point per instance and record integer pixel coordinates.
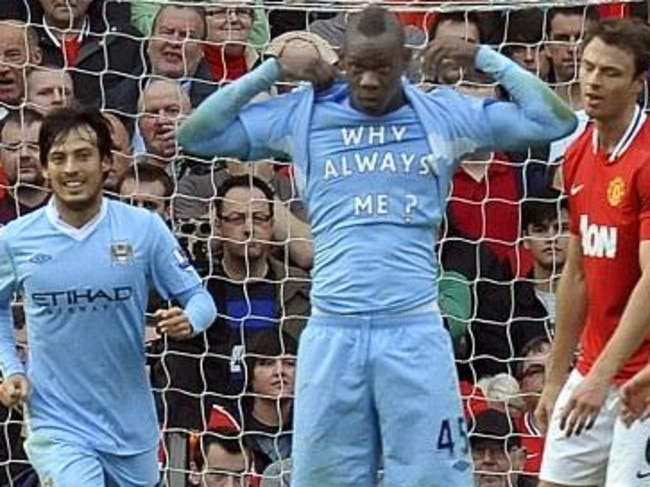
(635, 398)
(14, 390)
(582, 409)
(173, 323)
(306, 68)
(545, 405)
(449, 54)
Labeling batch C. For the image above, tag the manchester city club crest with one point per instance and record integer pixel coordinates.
(121, 252)
(615, 191)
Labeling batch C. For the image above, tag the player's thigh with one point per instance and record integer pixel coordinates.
(140, 470)
(424, 434)
(335, 439)
(578, 460)
(60, 464)
(629, 461)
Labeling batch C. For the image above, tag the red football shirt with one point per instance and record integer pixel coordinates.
(609, 206)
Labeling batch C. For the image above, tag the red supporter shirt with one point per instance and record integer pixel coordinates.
(488, 210)
(609, 204)
(532, 440)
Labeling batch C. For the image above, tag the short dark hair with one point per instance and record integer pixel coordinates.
(183, 6)
(243, 181)
(24, 116)
(62, 121)
(373, 21)
(629, 35)
(232, 443)
(542, 208)
(458, 17)
(587, 12)
(148, 173)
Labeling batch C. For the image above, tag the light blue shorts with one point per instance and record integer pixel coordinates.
(62, 464)
(373, 389)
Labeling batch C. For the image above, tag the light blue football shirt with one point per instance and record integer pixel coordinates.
(374, 196)
(85, 294)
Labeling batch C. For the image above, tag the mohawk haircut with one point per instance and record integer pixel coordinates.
(374, 21)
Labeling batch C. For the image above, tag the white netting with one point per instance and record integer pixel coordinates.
(492, 305)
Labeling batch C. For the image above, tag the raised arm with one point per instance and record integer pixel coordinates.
(214, 128)
(535, 114)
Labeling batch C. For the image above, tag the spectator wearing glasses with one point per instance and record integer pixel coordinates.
(252, 290)
(27, 189)
(228, 51)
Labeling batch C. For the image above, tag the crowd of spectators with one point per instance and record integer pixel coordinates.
(225, 397)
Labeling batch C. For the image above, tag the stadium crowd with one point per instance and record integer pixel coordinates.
(224, 398)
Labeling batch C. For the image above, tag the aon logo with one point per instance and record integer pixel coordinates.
(597, 240)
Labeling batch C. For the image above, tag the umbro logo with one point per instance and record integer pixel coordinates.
(40, 258)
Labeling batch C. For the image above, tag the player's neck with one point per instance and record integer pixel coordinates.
(77, 218)
(611, 129)
(240, 269)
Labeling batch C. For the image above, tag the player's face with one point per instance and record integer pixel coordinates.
(548, 243)
(74, 169)
(274, 377)
(373, 68)
(491, 463)
(174, 50)
(246, 225)
(145, 194)
(607, 80)
(566, 32)
(20, 155)
(49, 89)
(224, 469)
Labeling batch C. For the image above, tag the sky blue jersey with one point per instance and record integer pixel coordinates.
(85, 294)
(375, 187)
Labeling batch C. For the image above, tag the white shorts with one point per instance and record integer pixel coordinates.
(609, 454)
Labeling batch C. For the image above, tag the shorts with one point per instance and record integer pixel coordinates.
(372, 386)
(62, 464)
(609, 454)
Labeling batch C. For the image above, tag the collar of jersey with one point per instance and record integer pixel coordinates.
(76, 233)
(628, 137)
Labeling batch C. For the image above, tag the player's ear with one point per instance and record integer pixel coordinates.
(407, 56)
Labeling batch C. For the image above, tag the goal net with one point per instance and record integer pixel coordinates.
(503, 242)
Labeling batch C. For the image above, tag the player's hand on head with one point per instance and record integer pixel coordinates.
(307, 68)
(14, 390)
(447, 53)
(173, 322)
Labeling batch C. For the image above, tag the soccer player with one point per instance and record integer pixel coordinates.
(602, 296)
(373, 156)
(83, 265)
